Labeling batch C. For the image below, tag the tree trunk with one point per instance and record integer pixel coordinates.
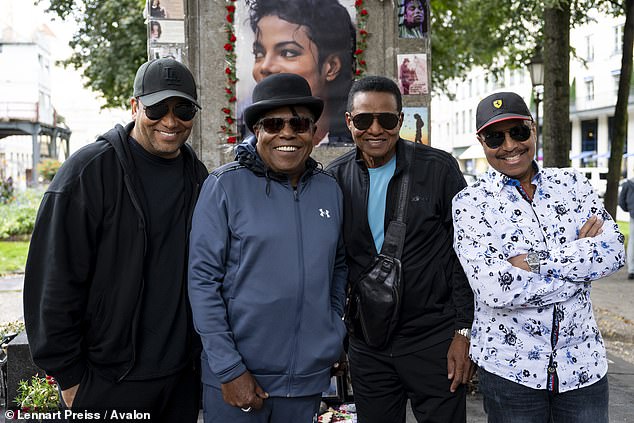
(556, 54)
(620, 112)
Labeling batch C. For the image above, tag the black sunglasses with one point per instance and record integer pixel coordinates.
(494, 139)
(185, 110)
(363, 121)
(274, 125)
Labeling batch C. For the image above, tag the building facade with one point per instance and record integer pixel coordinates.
(594, 76)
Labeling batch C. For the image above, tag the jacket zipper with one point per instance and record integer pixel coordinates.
(300, 292)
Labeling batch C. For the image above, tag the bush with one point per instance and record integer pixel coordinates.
(18, 217)
(47, 168)
(6, 191)
(39, 394)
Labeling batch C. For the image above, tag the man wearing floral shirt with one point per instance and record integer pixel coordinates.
(531, 241)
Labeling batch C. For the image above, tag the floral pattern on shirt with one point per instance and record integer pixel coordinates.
(520, 315)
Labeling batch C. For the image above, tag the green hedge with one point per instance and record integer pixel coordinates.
(18, 216)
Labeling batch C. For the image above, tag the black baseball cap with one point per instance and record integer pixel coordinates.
(162, 78)
(499, 107)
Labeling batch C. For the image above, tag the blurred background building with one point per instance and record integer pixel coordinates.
(594, 77)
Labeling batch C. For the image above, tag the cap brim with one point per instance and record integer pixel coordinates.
(152, 99)
(501, 118)
(256, 110)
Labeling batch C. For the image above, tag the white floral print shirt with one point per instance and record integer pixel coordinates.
(535, 329)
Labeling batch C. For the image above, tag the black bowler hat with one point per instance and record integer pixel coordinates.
(162, 78)
(279, 90)
(498, 107)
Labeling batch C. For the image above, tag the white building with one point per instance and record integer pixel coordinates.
(29, 128)
(594, 83)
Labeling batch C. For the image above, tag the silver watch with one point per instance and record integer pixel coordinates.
(532, 259)
(466, 332)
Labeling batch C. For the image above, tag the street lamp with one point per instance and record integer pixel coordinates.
(536, 69)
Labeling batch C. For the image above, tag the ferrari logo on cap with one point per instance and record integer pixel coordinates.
(497, 104)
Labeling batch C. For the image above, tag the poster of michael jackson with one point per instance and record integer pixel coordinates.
(312, 38)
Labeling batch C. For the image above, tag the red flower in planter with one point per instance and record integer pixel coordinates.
(231, 140)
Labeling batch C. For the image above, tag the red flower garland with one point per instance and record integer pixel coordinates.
(230, 71)
(362, 37)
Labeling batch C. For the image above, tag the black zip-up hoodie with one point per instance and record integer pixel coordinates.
(84, 274)
(436, 295)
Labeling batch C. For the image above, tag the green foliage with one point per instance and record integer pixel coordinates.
(10, 328)
(110, 45)
(38, 394)
(18, 217)
(48, 168)
(6, 190)
(13, 257)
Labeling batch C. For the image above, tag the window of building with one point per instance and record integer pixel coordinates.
(457, 123)
(589, 142)
(589, 48)
(589, 82)
(618, 39)
(616, 75)
(464, 122)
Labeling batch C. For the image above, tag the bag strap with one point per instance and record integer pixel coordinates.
(395, 234)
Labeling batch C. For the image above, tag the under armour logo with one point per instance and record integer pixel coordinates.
(324, 213)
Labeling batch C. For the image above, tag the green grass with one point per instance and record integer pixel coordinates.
(624, 227)
(13, 256)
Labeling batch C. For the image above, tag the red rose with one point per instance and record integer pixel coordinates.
(233, 99)
(358, 3)
(228, 71)
(226, 110)
(230, 18)
(362, 62)
(363, 32)
(229, 120)
(231, 8)
(231, 140)
(358, 52)
(364, 12)
(358, 72)
(232, 38)
(228, 47)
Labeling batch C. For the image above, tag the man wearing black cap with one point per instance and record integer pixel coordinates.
(531, 240)
(266, 270)
(105, 298)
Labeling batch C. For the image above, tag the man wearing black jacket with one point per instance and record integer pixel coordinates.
(427, 359)
(105, 293)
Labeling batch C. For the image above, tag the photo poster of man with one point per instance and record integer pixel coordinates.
(166, 28)
(415, 124)
(412, 73)
(413, 18)
(312, 38)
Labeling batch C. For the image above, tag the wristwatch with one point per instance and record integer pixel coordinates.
(466, 332)
(532, 259)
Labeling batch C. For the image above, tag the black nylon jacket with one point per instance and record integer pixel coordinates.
(84, 274)
(437, 298)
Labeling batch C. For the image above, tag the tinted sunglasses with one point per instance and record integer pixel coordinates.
(185, 110)
(494, 139)
(274, 125)
(363, 121)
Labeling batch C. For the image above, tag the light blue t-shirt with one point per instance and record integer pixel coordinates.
(379, 180)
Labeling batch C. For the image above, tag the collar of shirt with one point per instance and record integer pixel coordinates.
(495, 181)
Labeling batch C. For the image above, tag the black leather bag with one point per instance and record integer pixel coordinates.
(374, 300)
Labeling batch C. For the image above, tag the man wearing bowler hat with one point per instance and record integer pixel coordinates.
(105, 293)
(267, 270)
(532, 241)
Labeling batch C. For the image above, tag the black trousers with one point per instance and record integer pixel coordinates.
(174, 398)
(382, 385)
